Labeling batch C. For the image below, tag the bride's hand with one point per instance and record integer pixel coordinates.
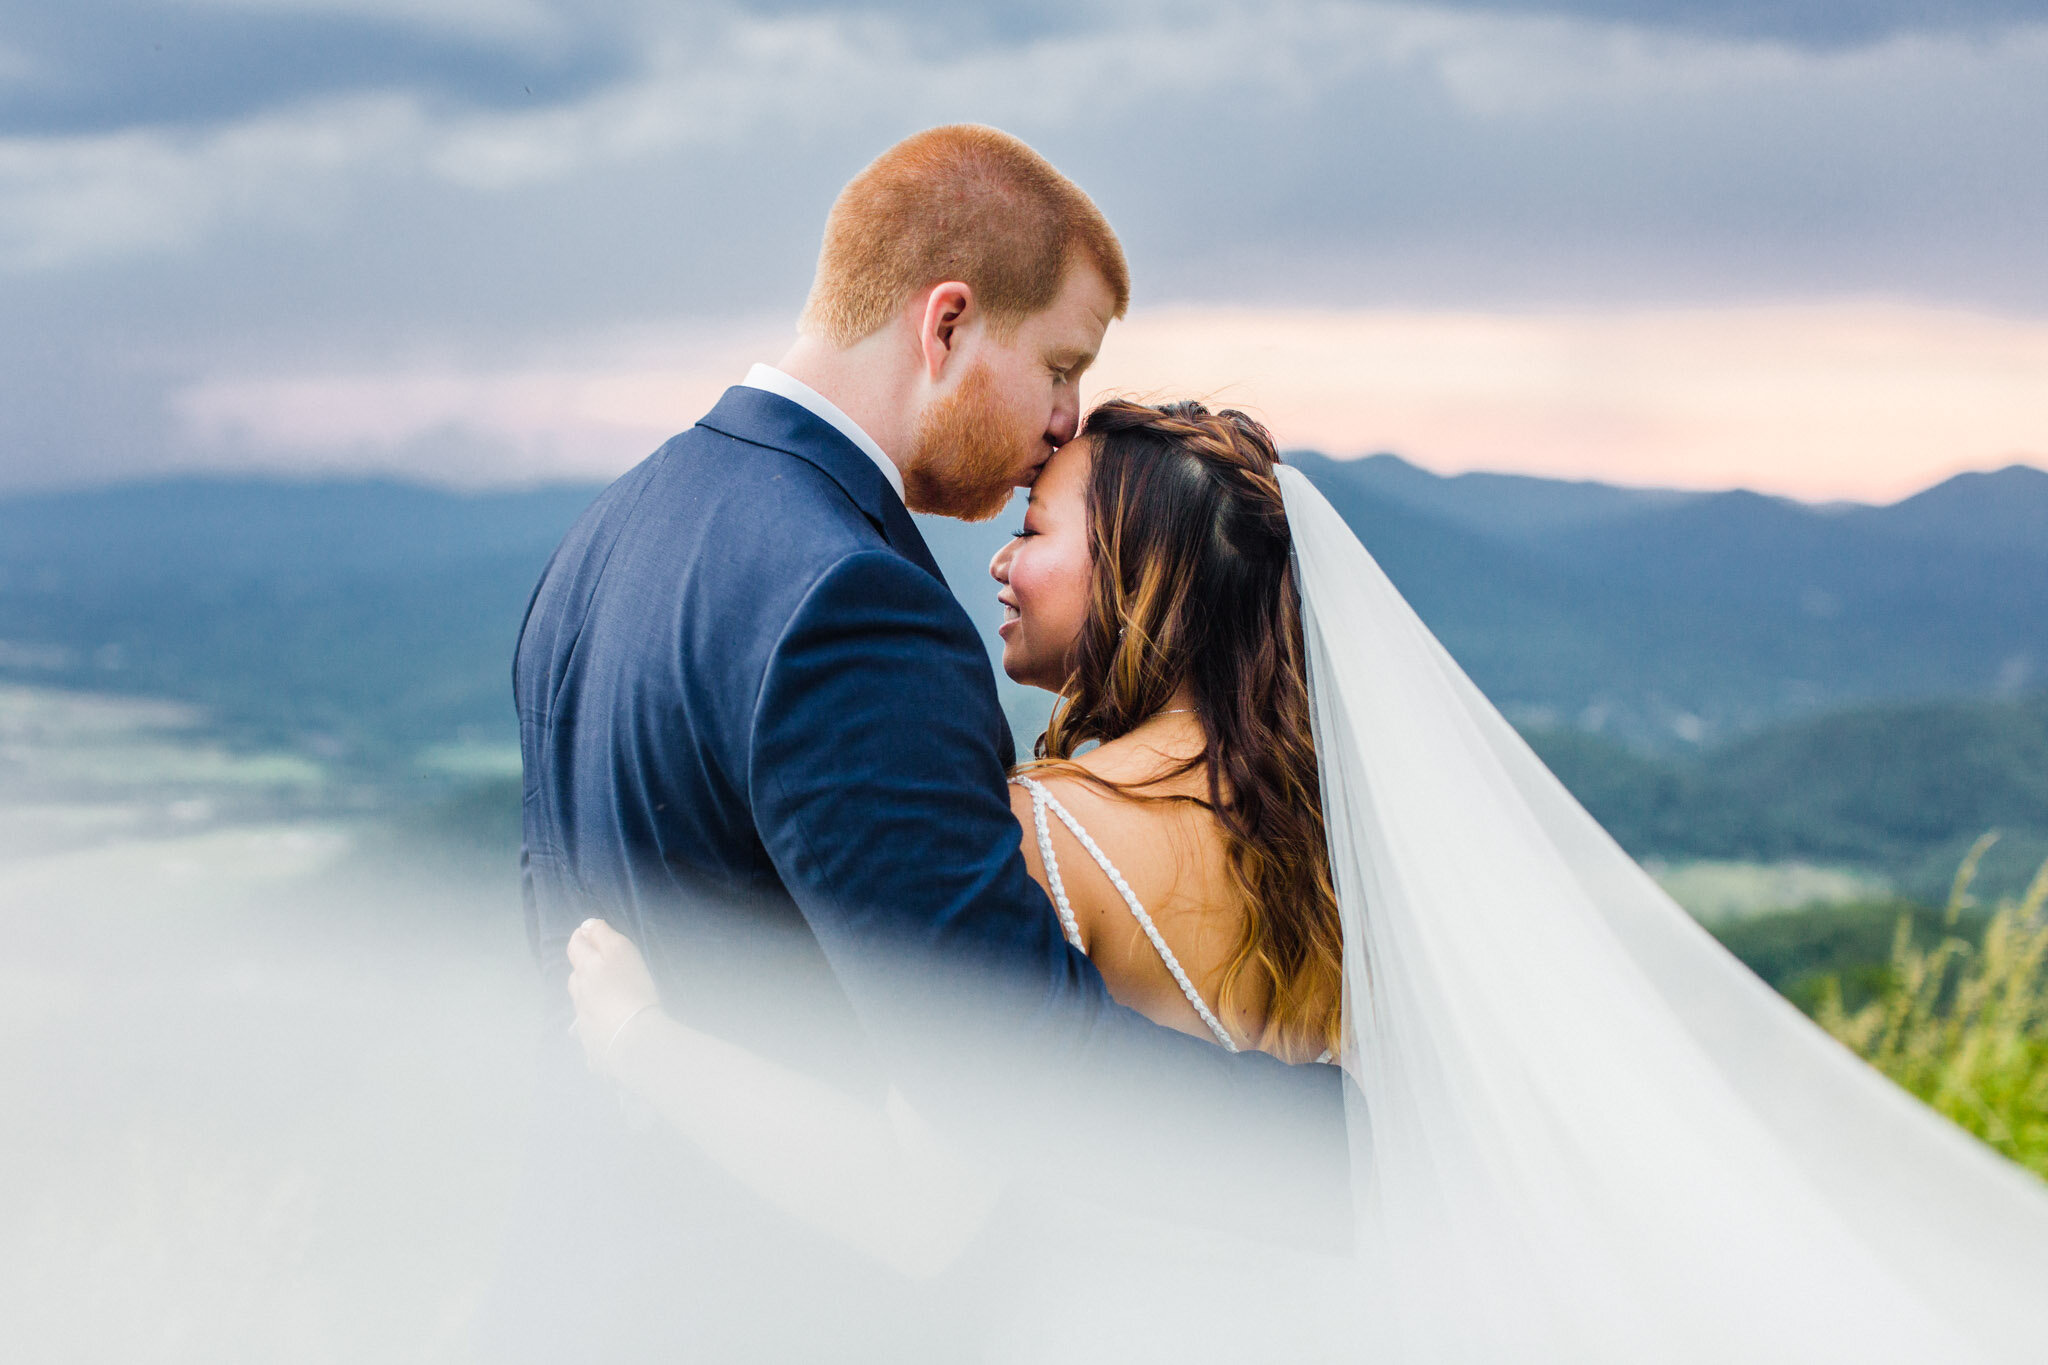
(609, 985)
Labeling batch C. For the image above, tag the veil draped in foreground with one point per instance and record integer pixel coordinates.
(1595, 1136)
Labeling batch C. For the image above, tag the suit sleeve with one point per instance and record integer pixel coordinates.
(878, 791)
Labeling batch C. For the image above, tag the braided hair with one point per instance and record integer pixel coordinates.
(1192, 585)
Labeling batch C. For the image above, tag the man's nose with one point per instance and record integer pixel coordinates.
(1066, 419)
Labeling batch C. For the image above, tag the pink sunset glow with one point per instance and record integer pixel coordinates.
(1865, 401)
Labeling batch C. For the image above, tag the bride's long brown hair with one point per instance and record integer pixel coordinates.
(1192, 586)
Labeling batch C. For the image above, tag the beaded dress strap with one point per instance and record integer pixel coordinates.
(1039, 796)
(1041, 799)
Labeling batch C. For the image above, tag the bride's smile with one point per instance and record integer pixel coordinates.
(1044, 572)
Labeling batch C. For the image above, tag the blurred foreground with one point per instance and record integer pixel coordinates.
(269, 1041)
(267, 1077)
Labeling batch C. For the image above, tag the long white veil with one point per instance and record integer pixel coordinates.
(1593, 1135)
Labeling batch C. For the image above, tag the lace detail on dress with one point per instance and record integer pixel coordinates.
(1041, 800)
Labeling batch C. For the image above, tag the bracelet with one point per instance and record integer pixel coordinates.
(618, 1032)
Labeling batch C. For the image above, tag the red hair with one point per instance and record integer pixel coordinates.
(963, 202)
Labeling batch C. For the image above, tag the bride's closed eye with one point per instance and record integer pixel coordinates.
(1021, 532)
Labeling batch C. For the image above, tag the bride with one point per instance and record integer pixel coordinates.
(1593, 1136)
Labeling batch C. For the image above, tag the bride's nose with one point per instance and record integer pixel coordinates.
(999, 567)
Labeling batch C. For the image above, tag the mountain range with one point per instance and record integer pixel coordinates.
(1667, 618)
(1672, 651)
(1660, 617)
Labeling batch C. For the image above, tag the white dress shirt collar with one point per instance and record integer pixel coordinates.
(772, 380)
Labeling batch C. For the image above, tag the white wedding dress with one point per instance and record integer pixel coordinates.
(1588, 1133)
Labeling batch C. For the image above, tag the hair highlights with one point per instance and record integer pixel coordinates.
(1192, 584)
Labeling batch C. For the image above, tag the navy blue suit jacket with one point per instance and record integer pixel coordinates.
(751, 712)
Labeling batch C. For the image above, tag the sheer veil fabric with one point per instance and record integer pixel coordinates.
(1593, 1135)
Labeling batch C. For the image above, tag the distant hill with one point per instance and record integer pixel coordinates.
(2005, 509)
(1904, 788)
(369, 619)
(1666, 619)
(1715, 675)
(1517, 507)
(361, 620)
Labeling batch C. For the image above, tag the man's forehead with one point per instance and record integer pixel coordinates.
(1100, 313)
(1076, 337)
(1075, 327)
(1090, 301)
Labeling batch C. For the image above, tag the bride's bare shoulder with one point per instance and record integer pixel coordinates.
(1121, 782)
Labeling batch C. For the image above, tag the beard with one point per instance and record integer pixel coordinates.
(962, 464)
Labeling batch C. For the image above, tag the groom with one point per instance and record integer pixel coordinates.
(761, 736)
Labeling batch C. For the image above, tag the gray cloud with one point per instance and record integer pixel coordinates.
(1811, 23)
(114, 64)
(938, 22)
(109, 64)
(349, 182)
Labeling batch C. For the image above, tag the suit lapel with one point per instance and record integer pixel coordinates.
(768, 419)
(901, 529)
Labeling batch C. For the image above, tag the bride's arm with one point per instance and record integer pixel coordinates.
(878, 1179)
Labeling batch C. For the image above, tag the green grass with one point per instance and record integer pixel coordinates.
(1962, 1022)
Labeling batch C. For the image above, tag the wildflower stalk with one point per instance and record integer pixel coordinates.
(1962, 1026)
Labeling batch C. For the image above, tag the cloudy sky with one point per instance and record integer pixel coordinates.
(1698, 242)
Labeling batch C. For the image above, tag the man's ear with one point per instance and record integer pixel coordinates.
(948, 308)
